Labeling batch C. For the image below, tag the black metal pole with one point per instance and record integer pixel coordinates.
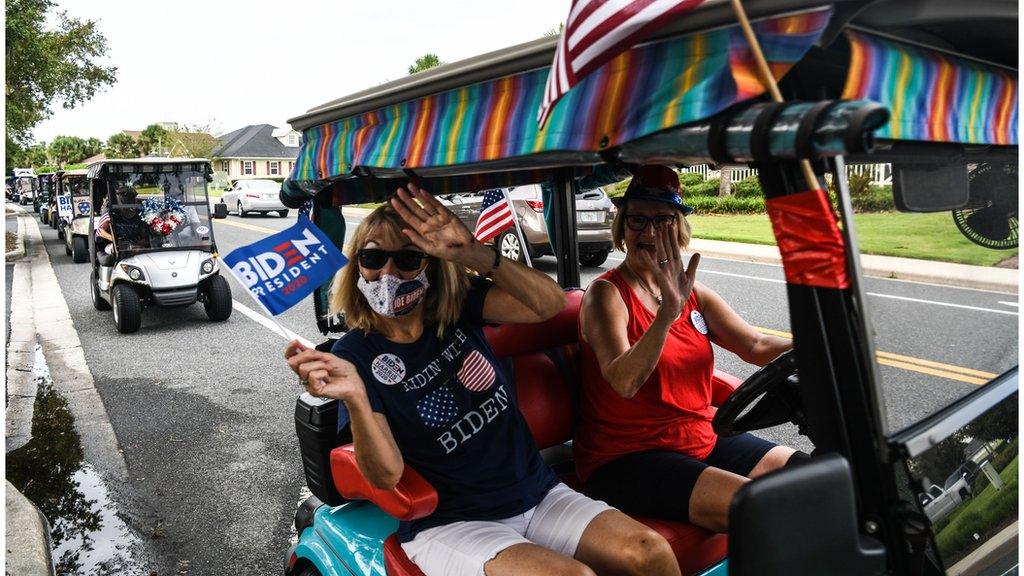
(567, 251)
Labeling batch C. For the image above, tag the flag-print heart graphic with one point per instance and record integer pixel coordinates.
(476, 373)
(438, 408)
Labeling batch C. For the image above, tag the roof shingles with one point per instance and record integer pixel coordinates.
(256, 141)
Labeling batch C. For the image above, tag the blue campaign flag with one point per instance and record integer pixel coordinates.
(280, 270)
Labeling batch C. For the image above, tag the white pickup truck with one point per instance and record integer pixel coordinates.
(938, 502)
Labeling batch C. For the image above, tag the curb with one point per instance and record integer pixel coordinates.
(888, 267)
(26, 529)
(19, 244)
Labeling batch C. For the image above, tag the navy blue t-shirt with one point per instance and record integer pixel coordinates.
(452, 409)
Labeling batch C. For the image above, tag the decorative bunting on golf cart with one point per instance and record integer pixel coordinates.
(933, 97)
(640, 92)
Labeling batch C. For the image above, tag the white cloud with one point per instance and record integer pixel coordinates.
(242, 63)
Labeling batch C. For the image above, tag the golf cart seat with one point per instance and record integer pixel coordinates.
(546, 372)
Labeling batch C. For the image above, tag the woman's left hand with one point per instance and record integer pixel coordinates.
(433, 227)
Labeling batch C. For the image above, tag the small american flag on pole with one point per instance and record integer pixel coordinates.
(597, 31)
(495, 215)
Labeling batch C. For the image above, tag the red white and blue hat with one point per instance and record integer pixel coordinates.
(657, 183)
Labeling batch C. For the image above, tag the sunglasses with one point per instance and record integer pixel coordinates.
(405, 260)
(638, 223)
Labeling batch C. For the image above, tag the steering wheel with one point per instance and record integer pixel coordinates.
(771, 396)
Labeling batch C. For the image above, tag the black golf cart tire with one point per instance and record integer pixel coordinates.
(217, 298)
(79, 249)
(283, 213)
(513, 239)
(241, 213)
(42, 217)
(127, 308)
(97, 300)
(594, 259)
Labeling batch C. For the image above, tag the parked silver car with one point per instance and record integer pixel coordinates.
(245, 196)
(594, 215)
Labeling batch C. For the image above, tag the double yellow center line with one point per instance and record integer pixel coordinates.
(949, 371)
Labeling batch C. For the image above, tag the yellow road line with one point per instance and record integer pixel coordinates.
(247, 226)
(932, 368)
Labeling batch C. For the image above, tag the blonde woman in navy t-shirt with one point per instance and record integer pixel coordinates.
(423, 387)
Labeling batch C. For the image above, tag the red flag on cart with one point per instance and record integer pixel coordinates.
(598, 30)
(495, 215)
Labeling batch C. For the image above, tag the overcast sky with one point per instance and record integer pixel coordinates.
(237, 63)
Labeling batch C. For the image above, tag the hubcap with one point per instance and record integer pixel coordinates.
(510, 247)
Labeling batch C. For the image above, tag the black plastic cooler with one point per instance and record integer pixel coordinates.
(316, 424)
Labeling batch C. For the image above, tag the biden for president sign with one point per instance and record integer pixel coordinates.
(282, 269)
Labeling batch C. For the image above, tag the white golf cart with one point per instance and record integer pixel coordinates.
(163, 253)
(75, 184)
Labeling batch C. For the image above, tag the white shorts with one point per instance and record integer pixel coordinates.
(462, 548)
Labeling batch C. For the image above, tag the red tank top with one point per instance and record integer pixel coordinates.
(671, 411)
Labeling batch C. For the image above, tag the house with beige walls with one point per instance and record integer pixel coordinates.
(256, 151)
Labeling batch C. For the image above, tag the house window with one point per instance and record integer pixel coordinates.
(293, 140)
(273, 168)
(225, 165)
(248, 167)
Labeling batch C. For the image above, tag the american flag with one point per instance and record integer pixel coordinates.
(476, 373)
(597, 31)
(495, 215)
(105, 217)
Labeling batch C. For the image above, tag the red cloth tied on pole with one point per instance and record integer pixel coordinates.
(813, 252)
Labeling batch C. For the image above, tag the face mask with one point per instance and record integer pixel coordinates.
(391, 297)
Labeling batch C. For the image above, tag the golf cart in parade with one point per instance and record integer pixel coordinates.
(929, 87)
(163, 252)
(25, 184)
(46, 199)
(74, 229)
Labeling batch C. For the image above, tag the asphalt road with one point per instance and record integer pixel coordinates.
(203, 411)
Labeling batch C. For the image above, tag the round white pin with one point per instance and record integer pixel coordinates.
(388, 369)
(698, 322)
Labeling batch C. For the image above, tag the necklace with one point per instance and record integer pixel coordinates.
(643, 284)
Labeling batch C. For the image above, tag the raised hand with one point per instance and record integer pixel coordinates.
(674, 280)
(432, 226)
(324, 374)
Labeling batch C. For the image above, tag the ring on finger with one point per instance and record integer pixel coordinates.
(303, 382)
(662, 262)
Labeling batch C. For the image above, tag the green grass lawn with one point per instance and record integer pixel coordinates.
(924, 236)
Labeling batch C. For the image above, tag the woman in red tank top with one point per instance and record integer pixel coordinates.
(644, 442)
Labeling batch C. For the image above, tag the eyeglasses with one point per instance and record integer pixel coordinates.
(405, 260)
(638, 223)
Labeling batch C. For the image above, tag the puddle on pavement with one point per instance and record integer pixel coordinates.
(88, 535)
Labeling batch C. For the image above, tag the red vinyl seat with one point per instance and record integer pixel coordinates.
(546, 391)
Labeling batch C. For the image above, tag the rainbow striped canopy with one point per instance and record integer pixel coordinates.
(933, 97)
(645, 90)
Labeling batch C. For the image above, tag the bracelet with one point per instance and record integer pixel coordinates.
(497, 262)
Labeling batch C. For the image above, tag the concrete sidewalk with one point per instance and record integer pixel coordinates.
(946, 273)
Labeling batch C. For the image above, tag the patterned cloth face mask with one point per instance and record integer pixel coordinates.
(391, 296)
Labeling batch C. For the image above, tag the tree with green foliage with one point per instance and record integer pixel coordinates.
(121, 145)
(67, 149)
(425, 62)
(153, 140)
(51, 58)
(555, 31)
(35, 155)
(93, 146)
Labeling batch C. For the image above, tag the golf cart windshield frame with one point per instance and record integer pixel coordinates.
(186, 180)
